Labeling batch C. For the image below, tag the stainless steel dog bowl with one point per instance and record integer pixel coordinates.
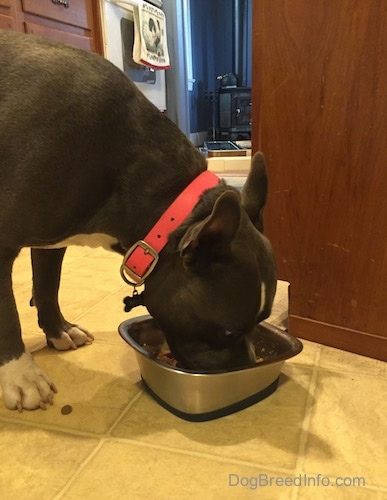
(200, 396)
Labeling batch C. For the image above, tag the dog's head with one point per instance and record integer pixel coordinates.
(216, 278)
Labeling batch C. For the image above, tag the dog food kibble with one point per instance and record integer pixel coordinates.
(263, 350)
(151, 338)
(66, 409)
(168, 358)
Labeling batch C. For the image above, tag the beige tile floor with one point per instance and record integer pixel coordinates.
(325, 423)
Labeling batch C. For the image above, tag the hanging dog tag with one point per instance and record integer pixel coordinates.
(137, 299)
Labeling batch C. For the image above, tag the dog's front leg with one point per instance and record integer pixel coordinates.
(23, 383)
(46, 267)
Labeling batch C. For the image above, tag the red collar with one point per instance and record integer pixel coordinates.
(142, 257)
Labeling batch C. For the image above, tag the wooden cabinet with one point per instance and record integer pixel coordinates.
(7, 15)
(75, 22)
(320, 98)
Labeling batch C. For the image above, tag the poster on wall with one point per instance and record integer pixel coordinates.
(150, 37)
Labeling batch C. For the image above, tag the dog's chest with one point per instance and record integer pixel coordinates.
(89, 240)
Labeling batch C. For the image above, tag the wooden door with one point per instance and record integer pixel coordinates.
(320, 116)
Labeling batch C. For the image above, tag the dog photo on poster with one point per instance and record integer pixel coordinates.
(150, 37)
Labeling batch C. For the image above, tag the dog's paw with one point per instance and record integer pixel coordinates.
(25, 385)
(76, 336)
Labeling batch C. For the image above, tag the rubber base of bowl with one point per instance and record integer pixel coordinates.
(221, 412)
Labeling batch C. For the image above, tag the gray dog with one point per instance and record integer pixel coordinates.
(85, 158)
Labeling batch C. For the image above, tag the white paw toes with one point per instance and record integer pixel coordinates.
(75, 337)
(25, 385)
(80, 336)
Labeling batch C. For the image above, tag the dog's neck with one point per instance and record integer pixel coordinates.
(142, 257)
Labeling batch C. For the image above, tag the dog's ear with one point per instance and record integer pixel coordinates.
(254, 191)
(210, 240)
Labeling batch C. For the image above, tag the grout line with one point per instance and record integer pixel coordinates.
(190, 453)
(349, 372)
(69, 430)
(318, 355)
(199, 454)
(124, 411)
(308, 413)
(103, 438)
(306, 420)
(50, 427)
(79, 470)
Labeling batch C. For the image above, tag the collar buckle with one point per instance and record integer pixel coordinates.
(144, 252)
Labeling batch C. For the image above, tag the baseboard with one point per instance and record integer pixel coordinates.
(363, 343)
